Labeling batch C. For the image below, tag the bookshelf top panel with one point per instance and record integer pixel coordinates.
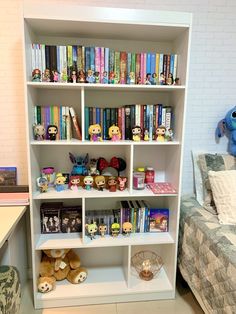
(98, 22)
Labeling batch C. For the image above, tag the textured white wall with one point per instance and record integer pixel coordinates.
(211, 82)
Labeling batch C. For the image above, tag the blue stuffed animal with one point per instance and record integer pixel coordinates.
(229, 124)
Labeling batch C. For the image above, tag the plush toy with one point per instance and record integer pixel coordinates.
(229, 124)
(58, 265)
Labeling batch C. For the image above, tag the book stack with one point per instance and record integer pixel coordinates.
(148, 117)
(107, 65)
(61, 116)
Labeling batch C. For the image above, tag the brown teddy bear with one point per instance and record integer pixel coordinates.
(58, 265)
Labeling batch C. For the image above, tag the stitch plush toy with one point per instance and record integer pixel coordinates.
(229, 124)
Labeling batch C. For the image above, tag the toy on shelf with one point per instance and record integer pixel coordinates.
(148, 79)
(97, 77)
(169, 135)
(39, 132)
(160, 133)
(131, 78)
(92, 167)
(88, 183)
(36, 75)
(80, 164)
(50, 174)
(60, 182)
(52, 131)
(115, 228)
(146, 135)
(177, 81)
(90, 77)
(169, 80)
(95, 133)
(127, 228)
(64, 76)
(46, 75)
(117, 163)
(162, 80)
(42, 183)
(114, 133)
(105, 78)
(136, 131)
(154, 79)
(74, 183)
(112, 183)
(100, 182)
(55, 76)
(57, 265)
(102, 228)
(228, 126)
(112, 78)
(121, 183)
(81, 77)
(73, 76)
(91, 229)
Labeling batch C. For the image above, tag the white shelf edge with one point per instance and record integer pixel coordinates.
(63, 241)
(69, 194)
(78, 142)
(135, 87)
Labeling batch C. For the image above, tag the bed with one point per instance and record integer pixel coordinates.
(207, 257)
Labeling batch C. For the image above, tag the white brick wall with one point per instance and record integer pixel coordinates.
(211, 84)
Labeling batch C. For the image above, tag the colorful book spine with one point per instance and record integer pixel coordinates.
(168, 118)
(33, 57)
(87, 59)
(69, 61)
(106, 66)
(123, 68)
(153, 66)
(137, 67)
(128, 67)
(74, 57)
(68, 124)
(150, 122)
(111, 61)
(75, 123)
(142, 69)
(123, 123)
(172, 61)
(102, 64)
(79, 59)
(117, 67)
(159, 115)
(148, 63)
(160, 67)
(175, 67)
(163, 118)
(157, 64)
(104, 124)
(92, 59)
(86, 124)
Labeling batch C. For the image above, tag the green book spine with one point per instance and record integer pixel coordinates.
(117, 67)
(39, 121)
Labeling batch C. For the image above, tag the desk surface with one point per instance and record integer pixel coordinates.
(9, 217)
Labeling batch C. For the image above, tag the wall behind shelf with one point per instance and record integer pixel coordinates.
(211, 78)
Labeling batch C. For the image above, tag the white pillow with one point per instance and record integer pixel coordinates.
(223, 184)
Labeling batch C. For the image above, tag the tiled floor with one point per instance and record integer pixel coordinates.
(185, 303)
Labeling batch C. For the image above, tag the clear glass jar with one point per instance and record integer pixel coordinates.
(139, 180)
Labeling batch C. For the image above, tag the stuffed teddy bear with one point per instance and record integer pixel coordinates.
(58, 265)
(229, 123)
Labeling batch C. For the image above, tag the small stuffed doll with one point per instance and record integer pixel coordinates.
(114, 133)
(228, 125)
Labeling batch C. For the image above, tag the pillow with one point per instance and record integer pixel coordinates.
(223, 185)
(197, 178)
(214, 162)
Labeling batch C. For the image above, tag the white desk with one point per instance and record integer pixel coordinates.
(13, 245)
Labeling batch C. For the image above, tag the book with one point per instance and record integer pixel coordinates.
(50, 217)
(8, 175)
(162, 188)
(74, 118)
(158, 219)
(71, 219)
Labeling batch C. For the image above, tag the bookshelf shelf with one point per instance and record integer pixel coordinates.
(74, 240)
(111, 277)
(104, 87)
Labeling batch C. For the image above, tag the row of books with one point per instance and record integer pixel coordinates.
(138, 213)
(148, 117)
(61, 116)
(144, 218)
(106, 64)
(57, 218)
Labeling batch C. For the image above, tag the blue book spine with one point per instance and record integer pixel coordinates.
(98, 119)
(147, 117)
(74, 55)
(106, 62)
(128, 66)
(148, 63)
(92, 59)
(153, 63)
(87, 59)
(161, 63)
(172, 62)
(86, 123)
(104, 123)
(150, 122)
(159, 114)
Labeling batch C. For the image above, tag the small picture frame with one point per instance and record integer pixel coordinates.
(71, 219)
(50, 217)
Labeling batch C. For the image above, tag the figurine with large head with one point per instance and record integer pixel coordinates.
(228, 126)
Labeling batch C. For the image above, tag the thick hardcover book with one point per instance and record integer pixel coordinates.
(50, 217)
(132, 117)
(148, 63)
(138, 66)
(159, 219)
(102, 64)
(92, 59)
(128, 135)
(108, 121)
(128, 67)
(87, 59)
(86, 110)
(47, 56)
(71, 219)
(111, 61)
(53, 58)
(160, 66)
(80, 65)
(74, 118)
(69, 62)
(106, 63)
(117, 67)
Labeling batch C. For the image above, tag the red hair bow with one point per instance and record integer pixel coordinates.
(118, 163)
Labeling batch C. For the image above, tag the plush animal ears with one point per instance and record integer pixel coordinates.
(221, 128)
(117, 163)
(74, 160)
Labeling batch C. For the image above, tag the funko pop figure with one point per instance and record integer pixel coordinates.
(90, 77)
(88, 182)
(160, 133)
(127, 228)
(74, 183)
(136, 131)
(114, 133)
(95, 132)
(36, 75)
(52, 131)
(60, 182)
(100, 182)
(39, 132)
(112, 183)
(42, 183)
(46, 76)
(115, 228)
(102, 228)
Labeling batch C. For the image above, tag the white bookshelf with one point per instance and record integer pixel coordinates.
(110, 275)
